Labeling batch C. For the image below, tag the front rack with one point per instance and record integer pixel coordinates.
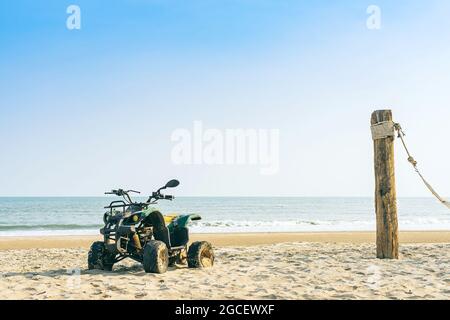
(122, 205)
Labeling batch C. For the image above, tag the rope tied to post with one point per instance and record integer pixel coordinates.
(387, 129)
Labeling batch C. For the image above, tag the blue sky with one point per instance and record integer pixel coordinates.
(85, 110)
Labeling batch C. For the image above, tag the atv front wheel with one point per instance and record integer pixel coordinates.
(156, 257)
(98, 257)
(200, 255)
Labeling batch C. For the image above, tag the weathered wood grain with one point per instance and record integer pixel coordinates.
(385, 192)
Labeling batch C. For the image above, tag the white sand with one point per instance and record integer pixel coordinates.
(277, 271)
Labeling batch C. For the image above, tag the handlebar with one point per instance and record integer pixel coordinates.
(121, 192)
(155, 195)
(124, 194)
(133, 191)
(158, 196)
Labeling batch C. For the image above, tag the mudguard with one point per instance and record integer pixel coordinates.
(183, 221)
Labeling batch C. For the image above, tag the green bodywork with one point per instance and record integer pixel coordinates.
(183, 221)
(180, 221)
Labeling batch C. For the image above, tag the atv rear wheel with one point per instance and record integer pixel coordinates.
(200, 255)
(155, 257)
(98, 257)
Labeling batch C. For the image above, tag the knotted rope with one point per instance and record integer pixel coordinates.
(401, 135)
(387, 129)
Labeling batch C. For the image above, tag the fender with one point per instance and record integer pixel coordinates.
(183, 220)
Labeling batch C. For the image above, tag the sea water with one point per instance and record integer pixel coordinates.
(83, 215)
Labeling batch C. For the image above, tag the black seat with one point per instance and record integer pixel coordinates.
(179, 237)
(160, 231)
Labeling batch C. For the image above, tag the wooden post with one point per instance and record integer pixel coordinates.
(385, 193)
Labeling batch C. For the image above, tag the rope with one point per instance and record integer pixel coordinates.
(401, 135)
(383, 130)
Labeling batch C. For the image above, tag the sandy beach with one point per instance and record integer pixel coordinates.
(248, 266)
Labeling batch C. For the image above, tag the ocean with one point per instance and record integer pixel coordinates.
(83, 215)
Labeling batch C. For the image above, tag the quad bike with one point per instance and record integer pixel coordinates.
(140, 232)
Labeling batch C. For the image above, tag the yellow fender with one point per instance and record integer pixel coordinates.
(169, 218)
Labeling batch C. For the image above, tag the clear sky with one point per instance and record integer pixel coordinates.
(83, 111)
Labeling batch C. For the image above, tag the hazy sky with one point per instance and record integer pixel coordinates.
(83, 111)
